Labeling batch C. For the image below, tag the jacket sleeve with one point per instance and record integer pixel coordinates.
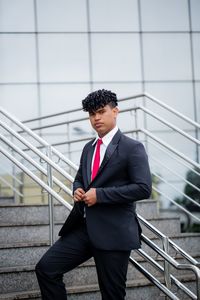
(140, 181)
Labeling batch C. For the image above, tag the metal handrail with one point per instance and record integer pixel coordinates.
(176, 204)
(74, 166)
(35, 164)
(32, 134)
(175, 173)
(145, 94)
(154, 246)
(60, 199)
(178, 153)
(172, 244)
(11, 175)
(174, 263)
(11, 187)
(57, 152)
(34, 149)
(171, 185)
(35, 178)
(162, 120)
(153, 279)
(162, 270)
(182, 162)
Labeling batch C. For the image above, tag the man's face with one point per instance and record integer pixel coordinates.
(103, 119)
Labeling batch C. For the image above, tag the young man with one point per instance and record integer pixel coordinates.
(113, 175)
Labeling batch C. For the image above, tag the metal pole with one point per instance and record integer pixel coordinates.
(166, 264)
(136, 124)
(50, 197)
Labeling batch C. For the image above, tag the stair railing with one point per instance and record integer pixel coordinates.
(49, 162)
(11, 186)
(150, 136)
(166, 256)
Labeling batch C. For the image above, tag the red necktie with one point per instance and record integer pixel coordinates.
(96, 162)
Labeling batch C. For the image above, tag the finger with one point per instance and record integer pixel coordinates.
(81, 191)
(76, 198)
(78, 195)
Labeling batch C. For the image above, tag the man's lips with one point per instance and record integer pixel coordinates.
(98, 124)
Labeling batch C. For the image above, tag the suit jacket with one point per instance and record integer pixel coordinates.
(123, 178)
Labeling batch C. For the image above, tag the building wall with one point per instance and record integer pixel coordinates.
(52, 53)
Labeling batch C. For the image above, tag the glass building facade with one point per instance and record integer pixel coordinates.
(52, 53)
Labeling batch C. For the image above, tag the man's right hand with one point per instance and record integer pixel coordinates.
(78, 194)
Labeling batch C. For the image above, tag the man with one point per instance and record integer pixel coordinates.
(113, 175)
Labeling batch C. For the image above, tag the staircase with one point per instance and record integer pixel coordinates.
(28, 228)
(24, 237)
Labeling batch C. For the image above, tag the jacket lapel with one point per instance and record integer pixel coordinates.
(109, 152)
(89, 162)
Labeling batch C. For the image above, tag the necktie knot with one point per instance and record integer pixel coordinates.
(99, 142)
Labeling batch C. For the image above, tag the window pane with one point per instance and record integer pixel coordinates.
(197, 85)
(122, 90)
(64, 57)
(116, 57)
(162, 15)
(177, 95)
(57, 98)
(62, 15)
(195, 11)
(167, 57)
(196, 49)
(20, 100)
(17, 58)
(114, 15)
(16, 15)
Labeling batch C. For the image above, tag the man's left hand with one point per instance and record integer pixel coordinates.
(90, 197)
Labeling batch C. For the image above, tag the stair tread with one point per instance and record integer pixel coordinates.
(34, 223)
(88, 288)
(59, 204)
(46, 243)
(88, 263)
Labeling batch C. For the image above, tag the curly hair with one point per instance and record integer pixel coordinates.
(99, 99)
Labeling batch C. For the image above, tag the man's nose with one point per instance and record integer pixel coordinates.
(97, 116)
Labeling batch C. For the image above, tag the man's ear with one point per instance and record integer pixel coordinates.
(116, 110)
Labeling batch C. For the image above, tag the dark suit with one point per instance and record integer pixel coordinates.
(111, 224)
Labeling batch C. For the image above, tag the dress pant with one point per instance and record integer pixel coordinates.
(70, 251)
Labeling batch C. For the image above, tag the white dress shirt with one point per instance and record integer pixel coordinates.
(106, 141)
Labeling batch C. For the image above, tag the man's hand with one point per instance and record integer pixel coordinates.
(90, 197)
(78, 194)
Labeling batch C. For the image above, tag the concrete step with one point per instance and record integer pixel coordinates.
(136, 289)
(169, 226)
(29, 214)
(189, 242)
(85, 274)
(38, 232)
(6, 200)
(27, 233)
(16, 254)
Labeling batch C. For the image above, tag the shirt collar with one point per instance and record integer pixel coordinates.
(108, 137)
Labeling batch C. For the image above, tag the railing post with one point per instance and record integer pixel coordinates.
(68, 141)
(136, 122)
(166, 264)
(50, 197)
(14, 185)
